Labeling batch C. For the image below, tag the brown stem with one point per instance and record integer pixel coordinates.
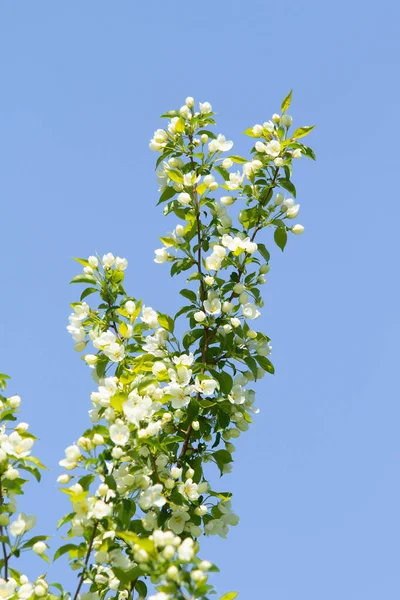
(2, 533)
(202, 298)
(153, 462)
(82, 576)
(242, 266)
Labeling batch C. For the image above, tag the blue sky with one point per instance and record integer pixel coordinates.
(316, 482)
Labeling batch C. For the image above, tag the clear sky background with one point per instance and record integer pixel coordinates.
(316, 479)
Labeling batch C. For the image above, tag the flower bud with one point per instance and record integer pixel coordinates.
(169, 484)
(22, 427)
(130, 307)
(39, 547)
(40, 590)
(287, 120)
(205, 108)
(199, 316)
(260, 147)
(204, 138)
(117, 452)
(173, 572)
(180, 230)
(238, 288)
(234, 433)
(227, 200)
(176, 472)
(279, 198)
(235, 322)
(195, 425)
(258, 130)
(184, 199)
(93, 262)
(293, 211)
(297, 229)
(243, 298)
(276, 118)
(201, 510)
(209, 280)
(297, 153)
(14, 401)
(189, 473)
(197, 575)
(184, 111)
(189, 102)
(90, 359)
(98, 439)
(4, 520)
(168, 552)
(103, 489)
(227, 306)
(64, 478)
(264, 269)
(227, 163)
(252, 334)
(11, 473)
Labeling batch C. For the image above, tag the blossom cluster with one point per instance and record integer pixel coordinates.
(16, 462)
(167, 405)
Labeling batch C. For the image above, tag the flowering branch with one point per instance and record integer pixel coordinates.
(166, 404)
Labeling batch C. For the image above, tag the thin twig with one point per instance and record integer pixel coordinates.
(89, 551)
(3, 545)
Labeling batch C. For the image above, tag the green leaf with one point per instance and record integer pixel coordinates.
(64, 549)
(251, 363)
(175, 175)
(222, 457)
(32, 470)
(180, 125)
(128, 576)
(223, 172)
(65, 519)
(287, 101)
(225, 381)
(307, 151)
(209, 133)
(166, 322)
(87, 292)
(166, 195)
(3, 381)
(189, 294)
(265, 364)
(84, 278)
(238, 159)
(264, 252)
(280, 237)
(144, 543)
(249, 217)
(287, 185)
(82, 261)
(303, 131)
(201, 189)
(141, 588)
(230, 596)
(250, 133)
